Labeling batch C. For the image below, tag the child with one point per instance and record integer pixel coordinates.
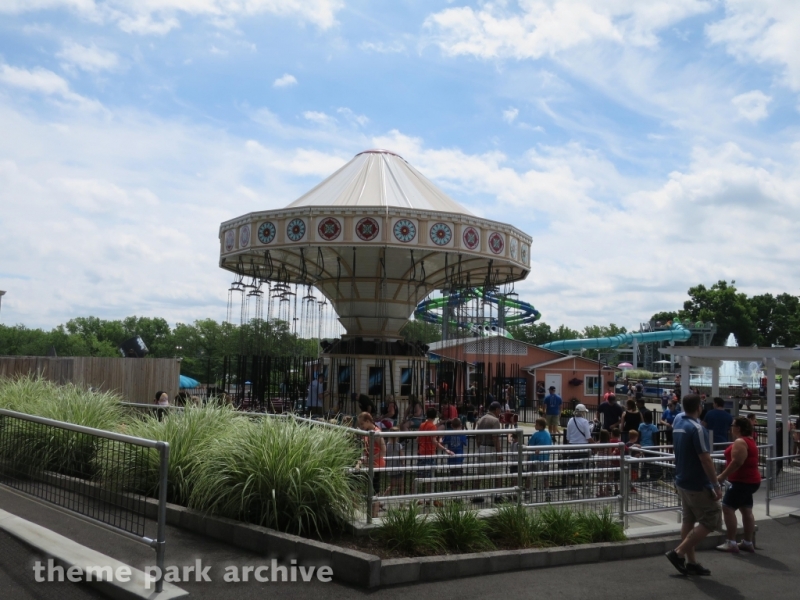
(366, 423)
(427, 448)
(456, 444)
(604, 489)
(394, 460)
(540, 461)
(630, 448)
(647, 433)
(614, 464)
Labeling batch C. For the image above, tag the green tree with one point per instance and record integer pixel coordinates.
(534, 333)
(420, 331)
(730, 310)
(777, 319)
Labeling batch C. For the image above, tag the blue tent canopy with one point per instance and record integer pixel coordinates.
(188, 382)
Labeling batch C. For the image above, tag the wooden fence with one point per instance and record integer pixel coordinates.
(135, 379)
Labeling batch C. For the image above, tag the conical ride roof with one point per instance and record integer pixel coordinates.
(379, 178)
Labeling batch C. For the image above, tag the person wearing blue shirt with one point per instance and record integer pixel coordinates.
(456, 444)
(719, 422)
(647, 437)
(552, 411)
(697, 486)
(668, 416)
(540, 460)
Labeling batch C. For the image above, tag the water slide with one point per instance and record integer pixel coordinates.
(514, 311)
(675, 333)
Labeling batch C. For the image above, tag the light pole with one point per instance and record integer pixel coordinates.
(2, 293)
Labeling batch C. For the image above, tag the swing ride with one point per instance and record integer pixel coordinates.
(374, 240)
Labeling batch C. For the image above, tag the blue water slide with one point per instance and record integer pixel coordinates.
(675, 333)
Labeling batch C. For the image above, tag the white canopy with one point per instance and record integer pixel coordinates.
(379, 178)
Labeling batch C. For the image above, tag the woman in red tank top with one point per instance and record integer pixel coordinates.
(741, 470)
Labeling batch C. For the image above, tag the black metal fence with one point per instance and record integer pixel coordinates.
(783, 478)
(99, 476)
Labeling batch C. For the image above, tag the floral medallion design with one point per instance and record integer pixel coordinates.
(513, 246)
(496, 243)
(329, 229)
(471, 238)
(524, 254)
(296, 229)
(405, 230)
(266, 232)
(230, 240)
(367, 229)
(244, 236)
(441, 234)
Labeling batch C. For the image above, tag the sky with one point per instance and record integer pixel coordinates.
(647, 146)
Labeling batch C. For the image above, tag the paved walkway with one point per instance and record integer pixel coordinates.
(774, 570)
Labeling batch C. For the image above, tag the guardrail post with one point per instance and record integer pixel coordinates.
(520, 480)
(623, 482)
(370, 474)
(161, 541)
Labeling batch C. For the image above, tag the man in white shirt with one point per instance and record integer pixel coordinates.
(579, 431)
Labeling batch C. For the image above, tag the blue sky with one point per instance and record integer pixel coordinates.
(647, 146)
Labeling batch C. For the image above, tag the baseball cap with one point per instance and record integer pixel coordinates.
(580, 408)
(552, 387)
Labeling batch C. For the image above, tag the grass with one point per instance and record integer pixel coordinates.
(562, 526)
(602, 526)
(461, 530)
(190, 434)
(516, 526)
(406, 530)
(280, 474)
(33, 446)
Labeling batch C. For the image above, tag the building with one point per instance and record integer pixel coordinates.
(493, 362)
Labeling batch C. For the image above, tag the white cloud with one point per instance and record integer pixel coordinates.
(161, 16)
(360, 120)
(752, 105)
(320, 118)
(88, 58)
(44, 82)
(510, 114)
(763, 31)
(383, 47)
(284, 80)
(547, 27)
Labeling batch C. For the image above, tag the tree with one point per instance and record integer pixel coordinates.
(730, 310)
(534, 333)
(417, 330)
(777, 319)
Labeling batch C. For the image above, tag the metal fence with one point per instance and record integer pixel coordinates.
(98, 476)
(783, 478)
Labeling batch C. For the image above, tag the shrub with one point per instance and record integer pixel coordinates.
(516, 526)
(281, 474)
(40, 447)
(406, 530)
(190, 433)
(601, 527)
(634, 374)
(561, 526)
(461, 530)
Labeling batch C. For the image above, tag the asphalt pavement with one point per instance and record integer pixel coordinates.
(774, 571)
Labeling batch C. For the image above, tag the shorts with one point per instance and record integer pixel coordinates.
(456, 471)
(422, 472)
(552, 420)
(486, 456)
(740, 495)
(701, 507)
(580, 458)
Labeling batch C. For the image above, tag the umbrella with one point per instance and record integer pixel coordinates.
(625, 365)
(187, 382)
(661, 362)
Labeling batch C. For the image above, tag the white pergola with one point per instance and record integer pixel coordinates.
(772, 359)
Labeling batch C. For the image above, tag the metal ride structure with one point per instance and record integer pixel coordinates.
(374, 239)
(448, 312)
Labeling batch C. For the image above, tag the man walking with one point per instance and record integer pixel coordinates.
(696, 483)
(552, 410)
(490, 449)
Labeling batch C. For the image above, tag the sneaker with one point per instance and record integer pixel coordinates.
(696, 569)
(747, 547)
(726, 546)
(677, 562)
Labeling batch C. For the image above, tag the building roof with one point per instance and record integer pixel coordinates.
(567, 357)
(379, 178)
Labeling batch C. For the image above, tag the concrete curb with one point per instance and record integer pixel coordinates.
(67, 553)
(367, 570)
